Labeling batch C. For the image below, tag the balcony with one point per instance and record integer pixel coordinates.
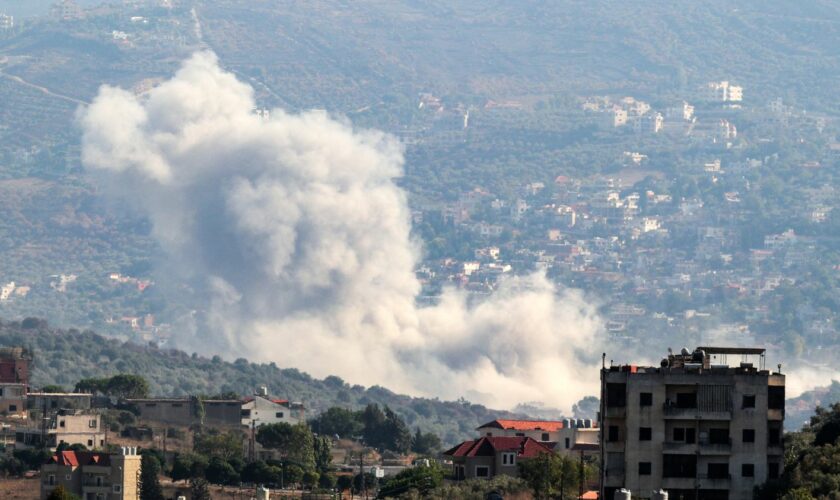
(678, 483)
(714, 481)
(679, 447)
(776, 415)
(615, 412)
(721, 448)
(677, 413)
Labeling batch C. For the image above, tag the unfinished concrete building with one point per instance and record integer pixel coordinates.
(694, 426)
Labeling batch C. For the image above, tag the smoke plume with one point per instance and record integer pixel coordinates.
(297, 233)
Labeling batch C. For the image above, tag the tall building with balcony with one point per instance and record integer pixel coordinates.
(93, 475)
(694, 426)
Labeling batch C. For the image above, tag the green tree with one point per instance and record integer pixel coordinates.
(150, 488)
(225, 445)
(549, 474)
(60, 493)
(199, 489)
(92, 385)
(127, 386)
(295, 442)
(221, 472)
(323, 453)
(338, 422)
(425, 444)
(53, 389)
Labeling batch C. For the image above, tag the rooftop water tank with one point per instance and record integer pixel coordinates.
(622, 494)
(659, 495)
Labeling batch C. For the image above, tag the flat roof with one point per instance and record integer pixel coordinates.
(755, 351)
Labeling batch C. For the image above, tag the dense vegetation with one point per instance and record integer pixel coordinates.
(66, 357)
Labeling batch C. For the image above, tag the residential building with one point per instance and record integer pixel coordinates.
(12, 398)
(261, 410)
(45, 402)
(723, 92)
(66, 426)
(7, 22)
(488, 457)
(189, 411)
(93, 475)
(14, 365)
(559, 435)
(693, 426)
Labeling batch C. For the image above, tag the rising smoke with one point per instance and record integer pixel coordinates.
(298, 234)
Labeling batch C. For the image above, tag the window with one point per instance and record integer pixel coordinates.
(279, 414)
(613, 433)
(51, 480)
(718, 436)
(245, 413)
(679, 465)
(645, 399)
(776, 397)
(616, 395)
(61, 423)
(98, 481)
(90, 442)
(12, 407)
(679, 434)
(773, 470)
(508, 458)
(482, 471)
(686, 400)
(689, 435)
(644, 468)
(520, 434)
(645, 433)
(568, 443)
(92, 424)
(748, 401)
(718, 471)
(117, 488)
(101, 442)
(747, 470)
(1, 392)
(544, 436)
(749, 436)
(773, 436)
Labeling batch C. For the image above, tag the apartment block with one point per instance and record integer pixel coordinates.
(92, 475)
(694, 426)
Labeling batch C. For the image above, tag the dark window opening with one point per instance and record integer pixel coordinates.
(613, 433)
(568, 442)
(645, 399)
(776, 397)
(718, 436)
(718, 471)
(482, 471)
(689, 436)
(687, 400)
(679, 434)
(774, 436)
(747, 470)
(748, 401)
(773, 470)
(749, 436)
(12, 407)
(645, 433)
(544, 436)
(616, 395)
(644, 468)
(679, 465)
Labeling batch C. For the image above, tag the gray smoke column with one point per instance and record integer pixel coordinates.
(300, 238)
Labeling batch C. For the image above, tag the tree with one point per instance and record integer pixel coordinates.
(549, 474)
(338, 422)
(397, 434)
(323, 453)
(52, 389)
(295, 442)
(225, 445)
(150, 488)
(221, 472)
(60, 493)
(92, 385)
(127, 386)
(199, 489)
(425, 444)
(182, 466)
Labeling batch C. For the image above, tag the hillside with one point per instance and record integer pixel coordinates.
(64, 356)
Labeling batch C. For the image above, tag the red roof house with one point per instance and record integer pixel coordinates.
(491, 456)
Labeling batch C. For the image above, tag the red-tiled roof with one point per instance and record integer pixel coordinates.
(525, 425)
(524, 447)
(76, 458)
(589, 495)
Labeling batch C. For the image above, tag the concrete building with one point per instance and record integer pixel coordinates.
(12, 398)
(66, 426)
(6, 22)
(45, 402)
(693, 426)
(93, 476)
(189, 411)
(261, 410)
(14, 365)
(722, 92)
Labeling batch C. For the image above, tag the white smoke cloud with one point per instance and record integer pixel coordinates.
(301, 239)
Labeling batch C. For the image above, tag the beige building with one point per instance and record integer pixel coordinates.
(93, 476)
(694, 426)
(12, 399)
(66, 426)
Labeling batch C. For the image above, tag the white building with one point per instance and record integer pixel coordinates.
(7, 290)
(723, 92)
(563, 436)
(6, 22)
(261, 410)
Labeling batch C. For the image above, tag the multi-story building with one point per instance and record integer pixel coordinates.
(693, 426)
(93, 476)
(488, 457)
(261, 410)
(66, 426)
